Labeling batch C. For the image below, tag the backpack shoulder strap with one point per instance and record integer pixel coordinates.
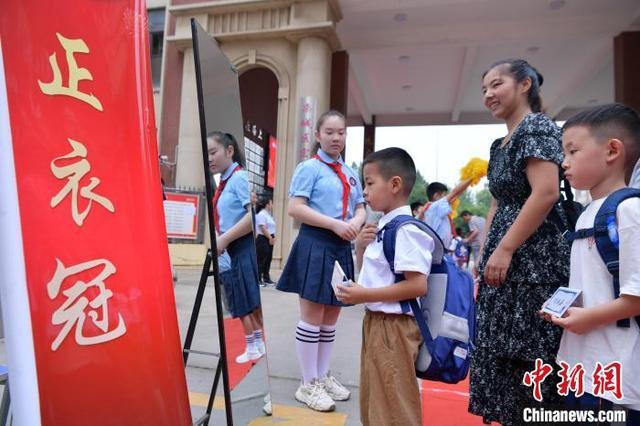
(606, 237)
(389, 232)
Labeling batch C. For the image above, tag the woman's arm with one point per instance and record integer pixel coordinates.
(299, 210)
(240, 229)
(544, 181)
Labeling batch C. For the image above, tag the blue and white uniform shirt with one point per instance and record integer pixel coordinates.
(321, 186)
(235, 198)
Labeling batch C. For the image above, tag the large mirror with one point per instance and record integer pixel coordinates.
(232, 236)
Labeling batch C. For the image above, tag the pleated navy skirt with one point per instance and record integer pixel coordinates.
(310, 265)
(240, 283)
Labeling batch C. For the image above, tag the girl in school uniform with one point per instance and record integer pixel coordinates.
(232, 219)
(326, 196)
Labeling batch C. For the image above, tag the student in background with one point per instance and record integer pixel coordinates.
(476, 231)
(416, 208)
(436, 212)
(266, 235)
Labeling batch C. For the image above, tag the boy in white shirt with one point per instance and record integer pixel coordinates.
(390, 339)
(599, 144)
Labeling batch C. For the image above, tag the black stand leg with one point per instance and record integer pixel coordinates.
(221, 368)
(206, 268)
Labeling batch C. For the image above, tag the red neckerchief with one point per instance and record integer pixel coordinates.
(346, 189)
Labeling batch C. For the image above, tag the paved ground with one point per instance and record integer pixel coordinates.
(280, 368)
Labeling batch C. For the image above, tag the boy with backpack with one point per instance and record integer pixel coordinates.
(391, 339)
(599, 145)
(396, 256)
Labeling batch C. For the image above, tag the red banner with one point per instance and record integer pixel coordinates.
(271, 171)
(103, 315)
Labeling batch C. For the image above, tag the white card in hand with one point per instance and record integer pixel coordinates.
(561, 300)
(338, 277)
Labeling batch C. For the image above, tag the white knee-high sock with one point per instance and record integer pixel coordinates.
(307, 337)
(327, 336)
(250, 341)
(257, 335)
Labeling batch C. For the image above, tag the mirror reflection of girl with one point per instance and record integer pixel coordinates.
(524, 256)
(232, 219)
(326, 196)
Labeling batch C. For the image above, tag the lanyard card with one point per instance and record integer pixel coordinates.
(562, 299)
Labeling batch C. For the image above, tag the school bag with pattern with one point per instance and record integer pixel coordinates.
(446, 315)
(605, 234)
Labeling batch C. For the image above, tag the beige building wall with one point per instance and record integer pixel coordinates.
(292, 38)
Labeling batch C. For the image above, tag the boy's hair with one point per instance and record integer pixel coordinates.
(394, 162)
(612, 121)
(435, 188)
(466, 213)
(415, 205)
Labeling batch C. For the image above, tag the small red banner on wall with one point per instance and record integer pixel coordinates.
(181, 215)
(102, 310)
(271, 172)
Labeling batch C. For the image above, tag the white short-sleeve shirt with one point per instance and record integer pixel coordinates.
(263, 218)
(437, 217)
(589, 273)
(413, 253)
(635, 176)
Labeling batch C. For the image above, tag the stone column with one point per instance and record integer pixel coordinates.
(369, 145)
(313, 78)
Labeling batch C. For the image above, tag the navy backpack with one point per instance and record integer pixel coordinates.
(446, 315)
(605, 233)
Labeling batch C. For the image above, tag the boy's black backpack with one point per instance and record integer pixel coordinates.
(605, 233)
(569, 206)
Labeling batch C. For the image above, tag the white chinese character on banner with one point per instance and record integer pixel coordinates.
(76, 74)
(74, 173)
(79, 304)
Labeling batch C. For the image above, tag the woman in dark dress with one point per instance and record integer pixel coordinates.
(525, 258)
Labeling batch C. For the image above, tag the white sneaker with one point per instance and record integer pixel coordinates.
(248, 355)
(267, 408)
(315, 397)
(334, 389)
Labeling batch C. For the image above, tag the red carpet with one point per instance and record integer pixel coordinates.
(234, 336)
(446, 405)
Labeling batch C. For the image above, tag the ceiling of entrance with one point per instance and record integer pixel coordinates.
(418, 62)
